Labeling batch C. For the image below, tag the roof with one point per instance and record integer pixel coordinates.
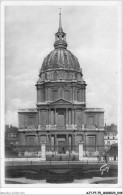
(60, 58)
(94, 110)
(27, 110)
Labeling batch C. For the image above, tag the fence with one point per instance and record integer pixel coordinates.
(56, 150)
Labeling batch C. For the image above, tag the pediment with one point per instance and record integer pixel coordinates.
(61, 101)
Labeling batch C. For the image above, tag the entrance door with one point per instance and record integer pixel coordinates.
(61, 147)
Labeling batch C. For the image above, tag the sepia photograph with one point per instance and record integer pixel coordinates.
(61, 86)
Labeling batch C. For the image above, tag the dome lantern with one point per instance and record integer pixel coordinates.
(60, 37)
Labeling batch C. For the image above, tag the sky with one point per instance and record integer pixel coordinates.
(92, 36)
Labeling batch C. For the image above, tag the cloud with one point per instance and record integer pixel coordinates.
(11, 117)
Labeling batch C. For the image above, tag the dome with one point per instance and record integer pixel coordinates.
(60, 58)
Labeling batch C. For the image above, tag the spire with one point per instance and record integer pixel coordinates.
(60, 23)
(60, 36)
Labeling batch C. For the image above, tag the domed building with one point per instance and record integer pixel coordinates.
(61, 118)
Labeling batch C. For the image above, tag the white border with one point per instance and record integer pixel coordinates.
(63, 188)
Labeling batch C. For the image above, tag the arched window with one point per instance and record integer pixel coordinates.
(54, 94)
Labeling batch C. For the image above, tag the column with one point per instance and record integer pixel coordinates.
(55, 142)
(49, 142)
(96, 143)
(85, 143)
(67, 143)
(73, 116)
(66, 116)
(73, 142)
(67, 140)
(45, 94)
(38, 95)
(39, 115)
(82, 116)
(80, 151)
(54, 116)
(43, 150)
(76, 149)
(75, 94)
(84, 95)
(49, 116)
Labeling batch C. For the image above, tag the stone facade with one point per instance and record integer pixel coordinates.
(61, 117)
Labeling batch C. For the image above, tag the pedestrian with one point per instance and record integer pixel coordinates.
(60, 158)
(105, 158)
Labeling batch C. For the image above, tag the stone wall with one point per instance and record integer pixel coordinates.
(94, 119)
(28, 119)
(64, 91)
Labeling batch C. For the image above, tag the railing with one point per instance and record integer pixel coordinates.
(66, 150)
(57, 127)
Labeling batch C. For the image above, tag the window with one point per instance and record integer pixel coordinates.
(91, 143)
(61, 118)
(91, 120)
(55, 95)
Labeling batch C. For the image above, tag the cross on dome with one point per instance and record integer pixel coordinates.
(60, 23)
